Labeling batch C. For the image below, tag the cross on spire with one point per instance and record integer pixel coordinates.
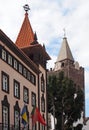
(64, 32)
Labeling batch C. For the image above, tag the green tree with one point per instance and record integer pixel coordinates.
(67, 99)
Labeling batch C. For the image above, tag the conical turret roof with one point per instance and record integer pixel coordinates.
(27, 39)
(26, 35)
(65, 52)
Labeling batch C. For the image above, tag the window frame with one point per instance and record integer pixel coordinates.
(10, 59)
(25, 88)
(4, 56)
(5, 104)
(20, 68)
(7, 87)
(42, 83)
(33, 99)
(24, 72)
(17, 109)
(42, 103)
(16, 94)
(29, 75)
(15, 64)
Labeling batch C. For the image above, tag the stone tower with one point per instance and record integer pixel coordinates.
(66, 63)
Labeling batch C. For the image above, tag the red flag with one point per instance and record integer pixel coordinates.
(36, 116)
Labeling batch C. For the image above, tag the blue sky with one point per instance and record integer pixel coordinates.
(48, 18)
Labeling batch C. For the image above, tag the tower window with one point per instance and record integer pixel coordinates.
(62, 65)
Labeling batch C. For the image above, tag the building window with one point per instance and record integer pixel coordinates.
(20, 68)
(15, 64)
(5, 117)
(25, 95)
(42, 83)
(5, 82)
(16, 125)
(3, 54)
(24, 72)
(5, 113)
(28, 75)
(32, 78)
(16, 116)
(16, 89)
(9, 59)
(33, 99)
(62, 64)
(43, 103)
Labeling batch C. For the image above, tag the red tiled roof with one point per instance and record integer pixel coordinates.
(26, 35)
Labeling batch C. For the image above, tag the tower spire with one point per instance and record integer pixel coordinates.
(26, 34)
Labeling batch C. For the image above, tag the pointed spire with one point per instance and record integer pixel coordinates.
(26, 35)
(44, 46)
(35, 37)
(65, 52)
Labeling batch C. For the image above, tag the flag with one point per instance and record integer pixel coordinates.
(36, 116)
(24, 115)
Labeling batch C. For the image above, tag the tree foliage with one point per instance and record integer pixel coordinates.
(67, 99)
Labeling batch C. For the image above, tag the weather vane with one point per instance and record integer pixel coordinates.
(26, 7)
